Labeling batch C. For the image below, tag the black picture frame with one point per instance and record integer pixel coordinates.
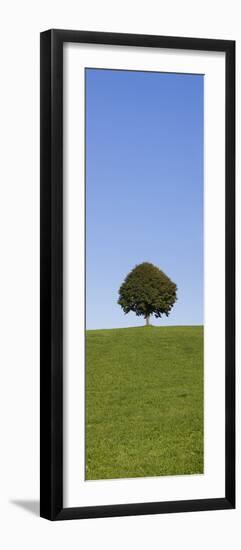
(51, 325)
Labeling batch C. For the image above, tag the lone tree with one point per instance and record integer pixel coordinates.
(147, 290)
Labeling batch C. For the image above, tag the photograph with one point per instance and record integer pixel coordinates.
(144, 274)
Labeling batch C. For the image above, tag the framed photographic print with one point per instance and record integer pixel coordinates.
(137, 274)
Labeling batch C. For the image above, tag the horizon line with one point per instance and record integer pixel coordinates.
(144, 326)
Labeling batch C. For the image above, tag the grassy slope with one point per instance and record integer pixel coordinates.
(144, 406)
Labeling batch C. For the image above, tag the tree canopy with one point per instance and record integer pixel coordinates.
(147, 291)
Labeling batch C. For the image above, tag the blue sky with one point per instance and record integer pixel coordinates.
(144, 189)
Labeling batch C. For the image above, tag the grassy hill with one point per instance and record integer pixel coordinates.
(144, 402)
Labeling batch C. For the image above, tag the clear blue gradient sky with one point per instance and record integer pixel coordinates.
(144, 189)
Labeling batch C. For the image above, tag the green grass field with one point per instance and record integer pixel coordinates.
(144, 402)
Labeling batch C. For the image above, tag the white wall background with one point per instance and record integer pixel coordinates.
(21, 23)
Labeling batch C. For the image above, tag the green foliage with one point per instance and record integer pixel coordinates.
(146, 291)
(144, 402)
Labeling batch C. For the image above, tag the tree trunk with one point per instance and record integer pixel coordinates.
(147, 320)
